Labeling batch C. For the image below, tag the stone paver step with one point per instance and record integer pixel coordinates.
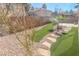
(44, 47)
(54, 35)
(43, 52)
(49, 41)
(52, 39)
(66, 30)
(46, 44)
(58, 33)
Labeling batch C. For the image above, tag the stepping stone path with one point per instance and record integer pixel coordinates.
(43, 47)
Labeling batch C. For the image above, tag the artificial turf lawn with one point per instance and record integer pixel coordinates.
(42, 32)
(67, 44)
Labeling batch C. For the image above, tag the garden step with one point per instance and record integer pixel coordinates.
(46, 44)
(58, 33)
(52, 39)
(43, 52)
(66, 30)
(44, 47)
(49, 41)
(54, 35)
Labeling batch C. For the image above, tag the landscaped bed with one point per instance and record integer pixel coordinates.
(67, 44)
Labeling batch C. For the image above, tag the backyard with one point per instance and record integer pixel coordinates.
(38, 31)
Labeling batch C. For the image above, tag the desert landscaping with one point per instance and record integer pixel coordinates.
(29, 31)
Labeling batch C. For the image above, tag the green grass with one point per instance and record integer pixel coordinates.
(42, 32)
(66, 45)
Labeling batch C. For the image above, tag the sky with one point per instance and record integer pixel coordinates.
(53, 6)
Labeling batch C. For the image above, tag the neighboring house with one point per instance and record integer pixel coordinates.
(41, 12)
(70, 19)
